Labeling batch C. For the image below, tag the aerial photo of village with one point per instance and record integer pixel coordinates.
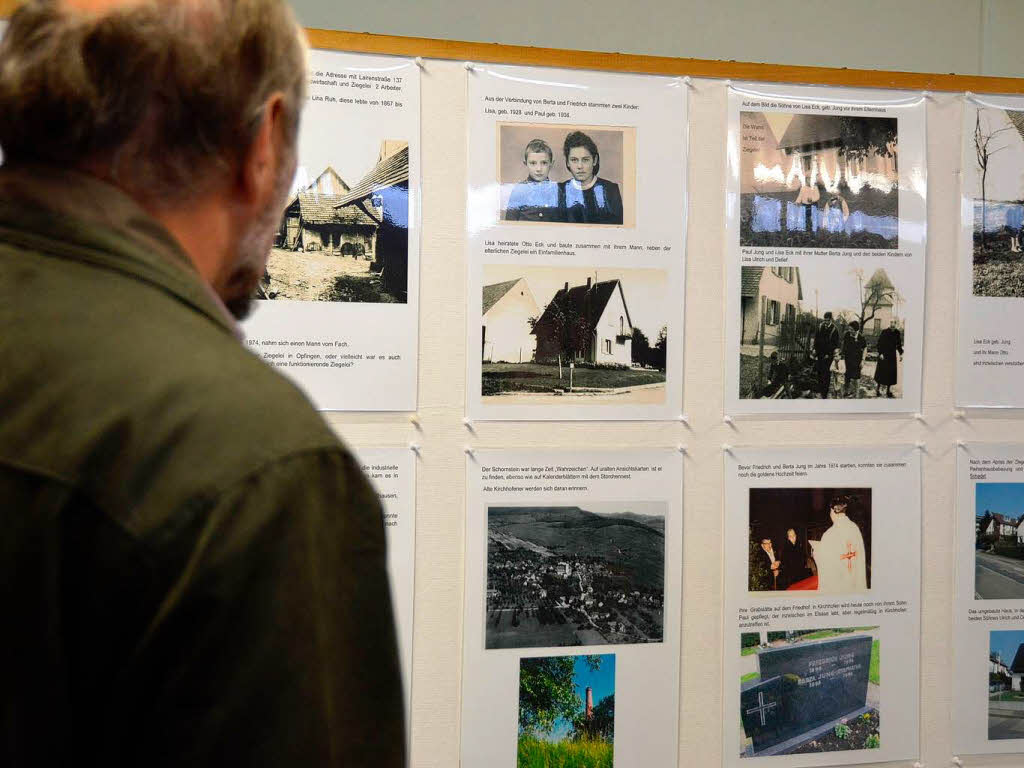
(566, 576)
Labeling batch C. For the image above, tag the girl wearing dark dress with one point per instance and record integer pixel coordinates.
(585, 198)
(890, 347)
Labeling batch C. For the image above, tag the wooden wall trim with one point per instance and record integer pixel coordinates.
(428, 48)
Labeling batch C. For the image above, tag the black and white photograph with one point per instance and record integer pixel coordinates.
(344, 235)
(563, 174)
(821, 331)
(592, 574)
(553, 335)
(819, 181)
(809, 540)
(997, 196)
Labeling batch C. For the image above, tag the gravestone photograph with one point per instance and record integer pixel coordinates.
(810, 691)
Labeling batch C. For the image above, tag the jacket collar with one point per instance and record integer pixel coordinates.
(78, 217)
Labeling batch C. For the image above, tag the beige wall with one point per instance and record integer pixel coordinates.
(969, 37)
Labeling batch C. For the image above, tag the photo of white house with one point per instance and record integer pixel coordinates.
(507, 334)
(559, 334)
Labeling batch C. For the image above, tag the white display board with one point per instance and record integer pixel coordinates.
(392, 471)
(821, 645)
(990, 360)
(988, 611)
(575, 244)
(573, 594)
(825, 222)
(339, 308)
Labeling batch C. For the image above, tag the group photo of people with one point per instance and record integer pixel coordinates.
(791, 347)
(566, 174)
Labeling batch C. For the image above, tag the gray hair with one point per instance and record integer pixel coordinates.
(161, 97)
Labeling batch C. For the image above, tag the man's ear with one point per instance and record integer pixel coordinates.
(258, 172)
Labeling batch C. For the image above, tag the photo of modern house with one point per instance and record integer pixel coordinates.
(507, 333)
(591, 321)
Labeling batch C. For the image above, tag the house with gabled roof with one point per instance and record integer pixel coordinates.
(506, 335)
(313, 222)
(881, 296)
(775, 292)
(1017, 669)
(586, 323)
(383, 194)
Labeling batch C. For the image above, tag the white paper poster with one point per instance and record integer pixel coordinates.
(340, 297)
(572, 609)
(988, 611)
(576, 215)
(392, 471)
(822, 605)
(990, 346)
(825, 250)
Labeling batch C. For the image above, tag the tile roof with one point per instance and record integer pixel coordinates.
(811, 131)
(1017, 118)
(388, 172)
(316, 208)
(493, 293)
(589, 300)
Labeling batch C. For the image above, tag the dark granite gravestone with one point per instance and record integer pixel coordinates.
(803, 687)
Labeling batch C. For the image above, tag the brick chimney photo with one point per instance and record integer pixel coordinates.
(590, 703)
(588, 283)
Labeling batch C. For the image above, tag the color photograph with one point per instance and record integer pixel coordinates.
(810, 690)
(999, 541)
(998, 201)
(819, 181)
(559, 335)
(345, 237)
(565, 174)
(821, 331)
(1005, 688)
(566, 712)
(575, 575)
(809, 540)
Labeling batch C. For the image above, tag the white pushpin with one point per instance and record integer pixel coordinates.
(955, 760)
(419, 61)
(469, 66)
(927, 95)
(415, 448)
(727, 419)
(467, 450)
(688, 81)
(414, 419)
(959, 414)
(681, 448)
(919, 445)
(726, 447)
(684, 419)
(919, 416)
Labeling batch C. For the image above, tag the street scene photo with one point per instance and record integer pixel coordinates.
(566, 712)
(561, 335)
(821, 330)
(1005, 691)
(819, 181)
(345, 238)
(811, 690)
(996, 185)
(809, 540)
(575, 575)
(999, 541)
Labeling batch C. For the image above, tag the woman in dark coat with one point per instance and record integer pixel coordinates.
(890, 347)
(853, 356)
(586, 198)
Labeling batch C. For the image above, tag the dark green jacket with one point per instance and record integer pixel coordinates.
(192, 566)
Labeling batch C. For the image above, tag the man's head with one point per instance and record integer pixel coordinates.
(854, 326)
(838, 506)
(892, 322)
(173, 101)
(828, 318)
(766, 543)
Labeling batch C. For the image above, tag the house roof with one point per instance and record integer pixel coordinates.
(1017, 118)
(1004, 520)
(811, 132)
(750, 282)
(1018, 660)
(388, 172)
(316, 208)
(589, 300)
(493, 293)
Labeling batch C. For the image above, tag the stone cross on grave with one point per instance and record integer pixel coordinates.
(762, 707)
(848, 557)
